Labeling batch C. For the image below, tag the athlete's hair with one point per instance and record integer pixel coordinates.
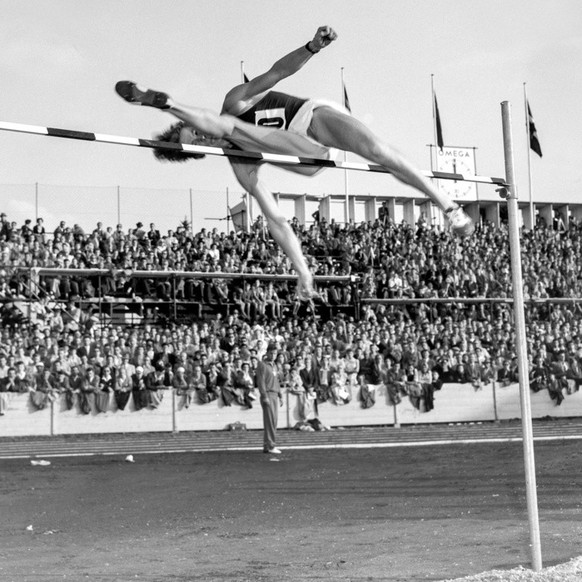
(172, 135)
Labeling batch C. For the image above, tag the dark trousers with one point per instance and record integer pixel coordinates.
(270, 417)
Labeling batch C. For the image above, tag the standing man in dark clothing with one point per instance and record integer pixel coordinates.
(270, 391)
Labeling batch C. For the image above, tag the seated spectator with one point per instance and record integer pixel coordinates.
(539, 375)
(225, 383)
(507, 374)
(10, 382)
(43, 387)
(157, 382)
(474, 373)
(89, 388)
(367, 393)
(183, 386)
(123, 387)
(107, 385)
(244, 384)
(339, 394)
(139, 388)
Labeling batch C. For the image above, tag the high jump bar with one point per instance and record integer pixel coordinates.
(277, 159)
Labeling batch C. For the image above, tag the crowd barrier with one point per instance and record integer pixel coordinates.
(454, 403)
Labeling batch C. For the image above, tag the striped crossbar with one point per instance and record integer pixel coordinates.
(232, 153)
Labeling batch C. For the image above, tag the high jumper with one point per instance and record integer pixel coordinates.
(257, 119)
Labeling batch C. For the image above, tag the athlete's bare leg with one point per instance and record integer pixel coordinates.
(205, 121)
(334, 128)
(248, 177)
(339, 130)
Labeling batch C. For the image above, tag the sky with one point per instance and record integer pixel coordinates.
(60, 60)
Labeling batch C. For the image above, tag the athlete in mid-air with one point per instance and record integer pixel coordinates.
(256, 118)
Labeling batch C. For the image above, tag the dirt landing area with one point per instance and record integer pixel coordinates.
(397, 514)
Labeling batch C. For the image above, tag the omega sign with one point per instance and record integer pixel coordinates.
(457, 161)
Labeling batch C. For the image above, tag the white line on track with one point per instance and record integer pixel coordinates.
(135, 450)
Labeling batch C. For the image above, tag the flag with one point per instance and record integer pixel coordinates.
(245, 79)
(346, 99)
(534, 142)
(437, 121)
(238, 215)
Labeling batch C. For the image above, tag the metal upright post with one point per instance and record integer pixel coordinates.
(191, 211)
(521, 340)
(118, 205)
(346, 187)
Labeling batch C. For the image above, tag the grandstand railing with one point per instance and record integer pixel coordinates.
(454, 403)
(104, 302)
(101, 300)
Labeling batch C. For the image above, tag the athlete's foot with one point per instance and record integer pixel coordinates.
(461, 223)
(305, 290)
(137, 95)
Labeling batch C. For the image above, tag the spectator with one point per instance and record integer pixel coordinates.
(11, 383)
(138, 389)
(270, 396)
(88, 390)
(123, 387)
(107, 385)
(183, 386)
(157, 382)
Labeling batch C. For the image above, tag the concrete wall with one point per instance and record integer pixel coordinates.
(453, 403)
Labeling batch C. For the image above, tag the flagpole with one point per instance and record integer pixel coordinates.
(347, 198)
(434, 124)
(528, 148)
(227, 212)
(434, 129)
(249, 218)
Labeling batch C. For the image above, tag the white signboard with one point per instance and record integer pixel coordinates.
(457, 161)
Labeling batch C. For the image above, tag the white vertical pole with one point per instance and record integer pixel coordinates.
(227, 212)
(191, 211)
(346, 188)
(521, 341)
(434, 165)
(247, 199)
(118, 205)
(250, 210)
(528, 149)
(475, 160)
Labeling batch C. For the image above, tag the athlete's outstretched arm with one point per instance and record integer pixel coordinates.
(237, 99)
(247, 175)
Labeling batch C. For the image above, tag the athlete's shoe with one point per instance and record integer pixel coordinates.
(273, 451)
(136, 95)
(461, 224)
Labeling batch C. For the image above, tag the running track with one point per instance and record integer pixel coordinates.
(152, 443)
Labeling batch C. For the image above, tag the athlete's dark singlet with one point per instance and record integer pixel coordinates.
(273, 110)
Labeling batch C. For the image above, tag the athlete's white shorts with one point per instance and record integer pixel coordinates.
(302, 120)
(293, 141)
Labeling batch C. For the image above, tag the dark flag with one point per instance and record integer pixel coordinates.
(245, 78)
(238, 215)
(534, 142)
(346, 99)
(437, 121)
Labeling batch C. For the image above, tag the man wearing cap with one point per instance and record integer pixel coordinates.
(5, 229)
(270, 391)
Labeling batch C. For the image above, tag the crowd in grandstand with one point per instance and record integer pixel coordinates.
(411, 349)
